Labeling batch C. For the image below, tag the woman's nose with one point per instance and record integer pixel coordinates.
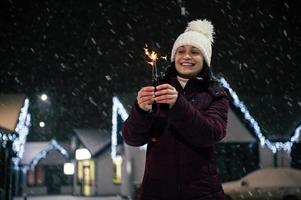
(187, 55)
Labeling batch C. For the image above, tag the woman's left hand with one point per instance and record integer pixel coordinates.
(166, 94)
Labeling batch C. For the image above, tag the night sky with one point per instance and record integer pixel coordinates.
(82, 53)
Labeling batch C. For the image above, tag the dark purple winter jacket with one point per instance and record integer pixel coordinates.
(180, 162)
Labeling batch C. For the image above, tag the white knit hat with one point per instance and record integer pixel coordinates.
(199, 33)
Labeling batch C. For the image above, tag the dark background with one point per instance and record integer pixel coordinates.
(82, 53)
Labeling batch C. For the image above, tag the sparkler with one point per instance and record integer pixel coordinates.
(153, 57)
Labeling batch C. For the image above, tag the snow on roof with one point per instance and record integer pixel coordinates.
(95, 140)
(35, 151)
(31, 150)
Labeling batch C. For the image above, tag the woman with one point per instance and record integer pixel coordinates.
(180, 160)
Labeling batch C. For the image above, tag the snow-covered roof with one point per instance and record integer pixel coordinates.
(52, 152)
(95, 140)
(31, 150)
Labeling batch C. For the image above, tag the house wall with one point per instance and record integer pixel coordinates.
(269, 159)
(132, 169)
(236, 130)
(104, 174)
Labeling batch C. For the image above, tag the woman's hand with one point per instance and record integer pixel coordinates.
(146, 97)
(166, 94)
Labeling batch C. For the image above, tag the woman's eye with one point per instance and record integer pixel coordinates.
(180, 51)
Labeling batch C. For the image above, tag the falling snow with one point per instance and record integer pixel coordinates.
(83, 54)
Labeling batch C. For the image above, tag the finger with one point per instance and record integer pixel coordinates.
(166, 97)
(148, 89)
(164, 86)
(147, 103)
(166, 101)
(145, 99)
(166, 91)
(146, 94)
(143, 93)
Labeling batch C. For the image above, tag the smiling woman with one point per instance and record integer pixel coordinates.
(82, 54)
(181, 136)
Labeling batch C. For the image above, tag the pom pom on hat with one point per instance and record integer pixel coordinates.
(203, 26)
(198, 33)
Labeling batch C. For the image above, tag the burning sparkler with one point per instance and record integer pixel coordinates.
(153, 57)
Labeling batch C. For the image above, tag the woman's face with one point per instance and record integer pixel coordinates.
(189, 61)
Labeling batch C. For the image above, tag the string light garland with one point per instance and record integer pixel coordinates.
(53, 145)
(118, 109)
(22, 128)
(274, 146)
(18, 137)
(7, 137)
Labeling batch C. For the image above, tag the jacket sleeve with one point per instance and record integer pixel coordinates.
(200, 127)
(136, 128)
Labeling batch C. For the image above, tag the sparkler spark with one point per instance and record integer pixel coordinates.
(153, 56)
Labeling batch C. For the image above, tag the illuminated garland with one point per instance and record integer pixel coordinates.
(117, 109)
(22, 129)
(19, 136)
(274, 146)
(53, 145)
(7, 137)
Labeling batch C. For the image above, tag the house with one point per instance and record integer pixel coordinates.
(271, 154)
(95, 173)
(14, 126)
(42, 169)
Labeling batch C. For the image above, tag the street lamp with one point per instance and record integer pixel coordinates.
(42, 124)
(44, 97)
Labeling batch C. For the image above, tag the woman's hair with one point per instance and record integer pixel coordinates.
(206, 73)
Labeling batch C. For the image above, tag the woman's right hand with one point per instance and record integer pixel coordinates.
(146, 97)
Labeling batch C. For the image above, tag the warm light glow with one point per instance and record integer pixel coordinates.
(68, 168)
(153, 56)
(82, 154)
(117, 170)
(44, 97)
(42, 124)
